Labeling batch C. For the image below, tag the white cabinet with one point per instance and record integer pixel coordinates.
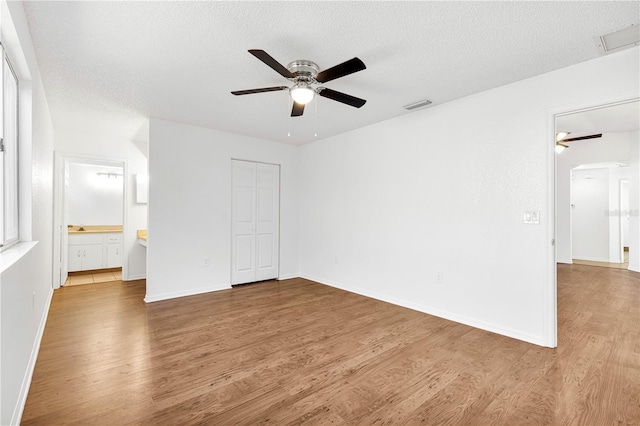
(92, 256)
(94, 251)
(113, 250)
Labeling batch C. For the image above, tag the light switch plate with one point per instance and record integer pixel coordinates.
(532, 217)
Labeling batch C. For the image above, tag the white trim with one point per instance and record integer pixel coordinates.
(191, 292)
(135, 277)
(516, 334)
(287, 277)
(598, 259)
(18, 410)
(12, 254)
(550, 318)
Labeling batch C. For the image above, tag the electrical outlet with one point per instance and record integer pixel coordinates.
(33, 300)
(439, 277)
(335, 260)
(206, 262)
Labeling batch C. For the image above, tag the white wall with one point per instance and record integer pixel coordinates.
(190, 206)
(26, 286)
(624, 212)
(611, 147)
(590, 223)
(385, 208)
(634, 203)
(98, 146)
(93, 198)
(616, 214)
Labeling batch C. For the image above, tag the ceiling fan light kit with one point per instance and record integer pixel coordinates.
(301, 93)
(306, 75)
(560, 147)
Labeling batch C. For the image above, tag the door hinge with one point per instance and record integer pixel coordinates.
(1, 144)
(553, 242)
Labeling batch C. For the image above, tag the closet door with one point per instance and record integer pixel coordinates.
(268, 221)
(255, 221)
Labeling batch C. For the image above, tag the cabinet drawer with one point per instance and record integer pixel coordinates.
(114, 238)
(85, 239)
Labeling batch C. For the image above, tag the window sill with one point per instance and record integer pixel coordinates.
(13, 254)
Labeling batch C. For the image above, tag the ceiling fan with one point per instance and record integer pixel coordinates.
(599, 135)
(305, 75)
(561, 138)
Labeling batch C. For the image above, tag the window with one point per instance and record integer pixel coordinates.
(10, 229)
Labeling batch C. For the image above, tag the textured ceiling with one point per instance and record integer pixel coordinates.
(109, 66)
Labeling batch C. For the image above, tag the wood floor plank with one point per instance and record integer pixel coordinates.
(296, 352)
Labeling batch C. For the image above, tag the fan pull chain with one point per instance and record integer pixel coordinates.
(287, 118)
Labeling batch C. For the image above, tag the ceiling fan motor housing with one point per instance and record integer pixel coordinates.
(303, 69)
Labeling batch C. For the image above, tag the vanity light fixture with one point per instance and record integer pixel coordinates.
(109, 175)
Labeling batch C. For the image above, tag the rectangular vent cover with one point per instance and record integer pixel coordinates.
(618, 40)
(418, 104)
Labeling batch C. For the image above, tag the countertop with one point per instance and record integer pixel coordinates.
(95, 229)
(142, 237)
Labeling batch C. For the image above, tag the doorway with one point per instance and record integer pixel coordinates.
(255, 217)
(589, 193)
(597, 238)
(624, 219)
(90, 218)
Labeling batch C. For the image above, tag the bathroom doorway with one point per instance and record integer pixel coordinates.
(89, 219)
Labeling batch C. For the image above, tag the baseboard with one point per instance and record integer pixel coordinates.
(18, 410)
(94, 271)
(288, 277)
(565, 261)
(472, 322)
(135, 277)
(190, 292)
(595, 259)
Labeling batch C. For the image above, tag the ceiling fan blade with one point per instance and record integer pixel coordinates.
(267, 59)
(264, 89)
(342, 97)
(599, 135)
(345, 68)
(297, 109)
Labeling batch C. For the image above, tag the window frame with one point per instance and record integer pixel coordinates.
(14, 192)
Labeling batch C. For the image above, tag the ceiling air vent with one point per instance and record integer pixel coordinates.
(418, 104)
(618, 40)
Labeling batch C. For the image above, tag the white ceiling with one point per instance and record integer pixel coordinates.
(623, 117)
(109, 66)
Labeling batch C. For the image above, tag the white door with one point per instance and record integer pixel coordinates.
(255, 227)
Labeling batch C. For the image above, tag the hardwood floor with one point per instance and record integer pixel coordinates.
(294, 352)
